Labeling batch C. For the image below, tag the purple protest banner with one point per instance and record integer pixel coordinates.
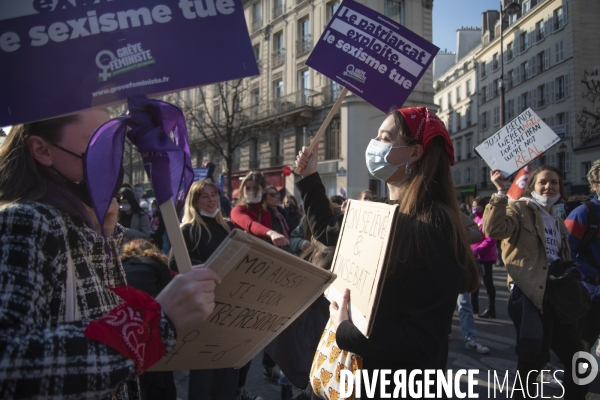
(64, 56)
(371, 55)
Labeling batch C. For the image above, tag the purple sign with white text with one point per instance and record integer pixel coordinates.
(371, 55)
(62, 56)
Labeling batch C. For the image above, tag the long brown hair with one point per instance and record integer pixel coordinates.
(21, 177)
(533, 177)
(428, 202)
(191, 215)
(261, 182)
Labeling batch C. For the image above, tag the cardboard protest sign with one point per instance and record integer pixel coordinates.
(518, 143)
(263, 290)
(360, 258)
(372, 55)
(64, 56)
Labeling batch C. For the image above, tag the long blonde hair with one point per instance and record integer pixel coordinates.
(428, 193)
(192, 216)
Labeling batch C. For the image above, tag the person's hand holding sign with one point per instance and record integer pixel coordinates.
(339, 313)
(498, 180)
(189, 298)
(307, 161)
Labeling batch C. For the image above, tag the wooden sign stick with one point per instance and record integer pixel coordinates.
(182, 257)
(325, 124)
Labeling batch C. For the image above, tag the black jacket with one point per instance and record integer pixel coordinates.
(147, 274)
(417, 303)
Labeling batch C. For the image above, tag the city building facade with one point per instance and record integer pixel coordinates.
(551, 66)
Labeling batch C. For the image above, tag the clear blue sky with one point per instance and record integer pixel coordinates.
(450, 15)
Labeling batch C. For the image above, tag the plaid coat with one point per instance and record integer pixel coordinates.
(42, 356)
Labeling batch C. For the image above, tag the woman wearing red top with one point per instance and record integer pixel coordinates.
(251, 215)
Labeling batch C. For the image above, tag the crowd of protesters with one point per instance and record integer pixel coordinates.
(65, 279)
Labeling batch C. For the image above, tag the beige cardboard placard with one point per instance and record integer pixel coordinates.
(360, 259)
(263, 290)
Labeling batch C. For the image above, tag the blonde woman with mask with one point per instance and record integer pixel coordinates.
(251, 214)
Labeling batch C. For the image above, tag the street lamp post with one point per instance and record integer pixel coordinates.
(505, 11)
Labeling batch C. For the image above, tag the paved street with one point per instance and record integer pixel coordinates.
(497, 334)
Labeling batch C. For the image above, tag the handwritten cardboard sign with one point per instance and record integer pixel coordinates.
(372, 55)
(263, 290)
(64, 56)
(360, 258)
(518, 143)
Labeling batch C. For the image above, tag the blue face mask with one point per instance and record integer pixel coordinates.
(376, 156)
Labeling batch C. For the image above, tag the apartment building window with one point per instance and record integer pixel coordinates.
(524, 71)
(559, 54)
(277, 8)
(539, 31)
(524, 102)
(278, 88)
(541, 96)
(458, 150)
(468, 116)
(394, 9)
(543, 61)
(510, 109)
(332, 140)
(331, 9)
(217, 114)
(563, 120)
(278, 57)
(495, 64)
(468, 88)
(254, 101)
(458, 94)
(304, 42)
(484, 94)
(561, 87)
(558, 18)
(483, 68)
(509, 80)
(523, 41)
(468, 174)
(485, 120)
(509, 51)
(449, 99)
(256, 16)
(304, 84)
(449, 126)
(495, 88)
(526, 7)
(469, 147)
(496, 115)
(439, 103)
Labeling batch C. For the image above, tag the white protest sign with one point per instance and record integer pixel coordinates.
(263, 290)
(360, 259)
(518, 143)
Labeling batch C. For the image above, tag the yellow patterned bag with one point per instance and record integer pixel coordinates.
(329, 360)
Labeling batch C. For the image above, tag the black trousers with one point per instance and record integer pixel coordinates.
(564, 342)
(488, 281)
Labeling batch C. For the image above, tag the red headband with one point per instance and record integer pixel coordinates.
(424, 126)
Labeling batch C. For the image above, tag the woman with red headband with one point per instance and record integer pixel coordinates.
(433, 263)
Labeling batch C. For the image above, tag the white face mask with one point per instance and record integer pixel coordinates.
(210, 215)
(545, 201)
(377, 163)
(253, 197)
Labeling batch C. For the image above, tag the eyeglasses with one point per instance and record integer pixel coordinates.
(273, 194)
